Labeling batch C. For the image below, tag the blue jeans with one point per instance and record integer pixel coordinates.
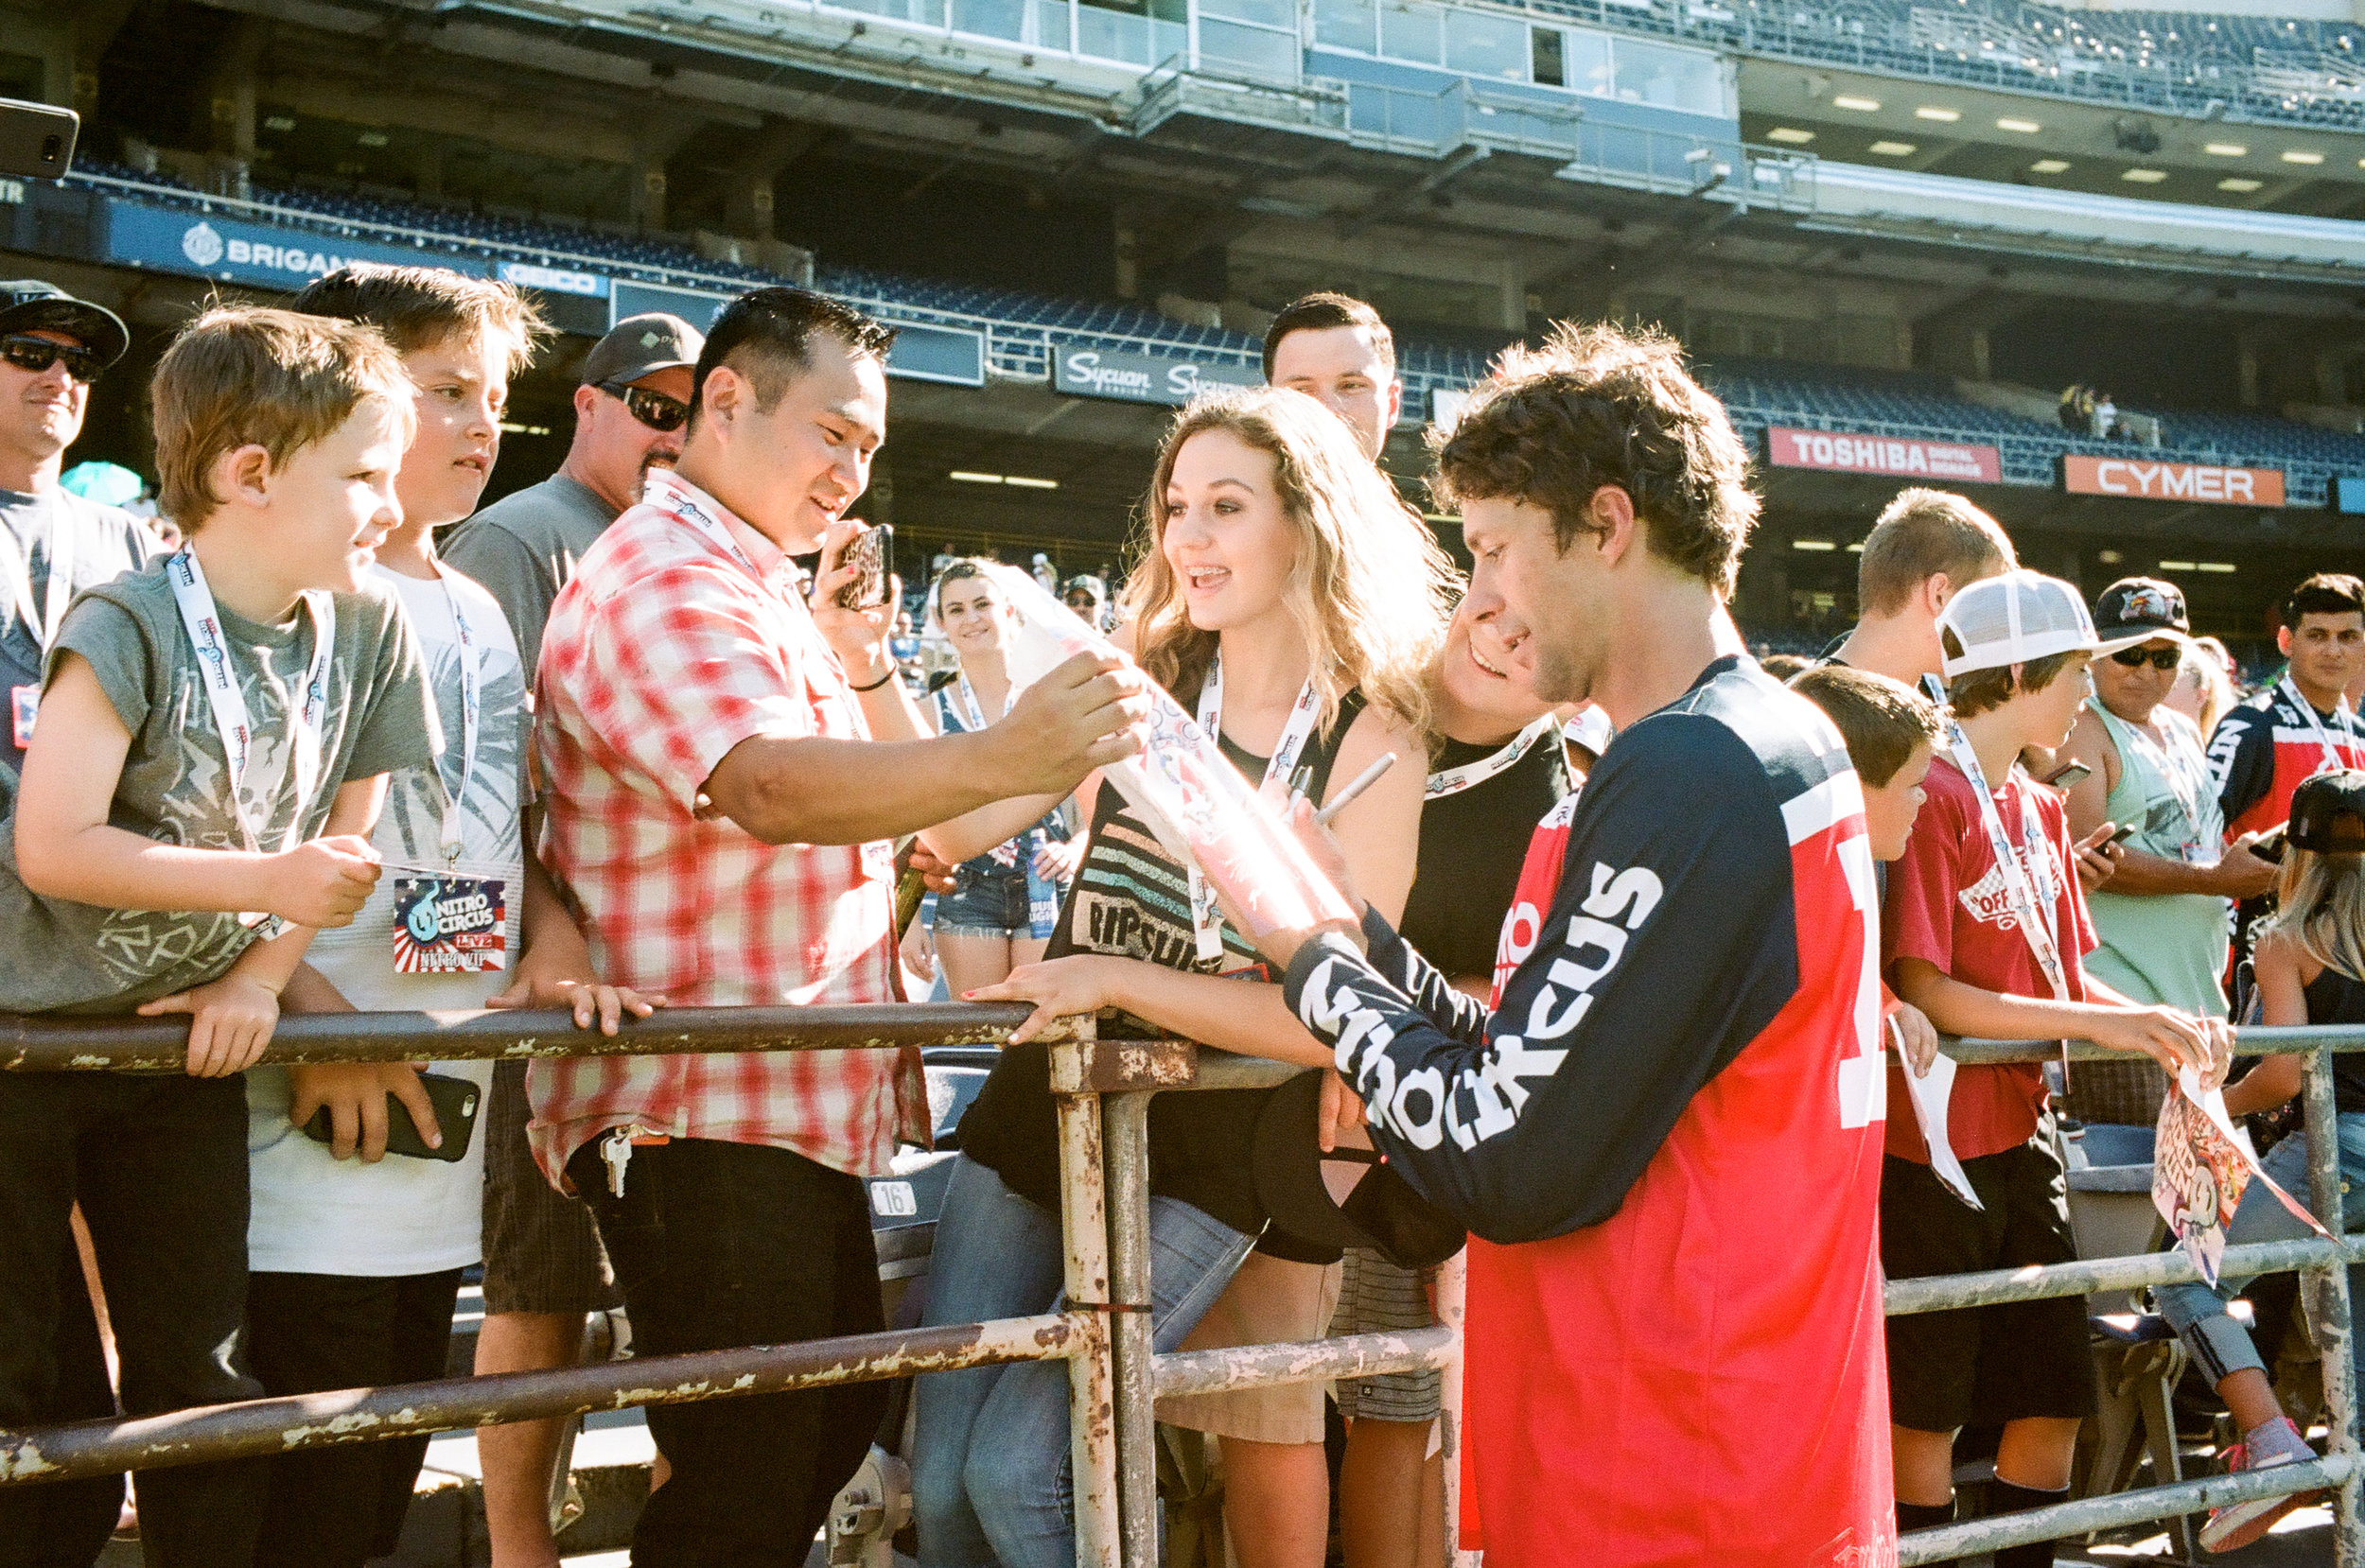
(2219, 1345)
(990, 1480)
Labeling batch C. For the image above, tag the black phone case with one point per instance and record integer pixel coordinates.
(456, 1101)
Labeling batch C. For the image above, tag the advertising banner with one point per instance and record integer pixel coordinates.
(920, 353)
(265, 255)
(1173, 379)
(2171, 482)
(1844, 452)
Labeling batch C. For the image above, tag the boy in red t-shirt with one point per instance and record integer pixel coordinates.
(1988, 946)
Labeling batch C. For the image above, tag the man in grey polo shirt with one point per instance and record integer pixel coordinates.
(544, 1268)
(629, 412)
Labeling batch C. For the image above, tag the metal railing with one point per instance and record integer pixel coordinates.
(1102, 1090)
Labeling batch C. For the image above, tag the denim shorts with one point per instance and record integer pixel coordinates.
(992, 901)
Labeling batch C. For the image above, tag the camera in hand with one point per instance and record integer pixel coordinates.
(36, 139)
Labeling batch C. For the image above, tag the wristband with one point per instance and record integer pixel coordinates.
(893, 670)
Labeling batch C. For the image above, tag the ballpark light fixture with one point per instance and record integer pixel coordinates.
(966, 477)
(1862, 106)
(2022, 128)
(1789, 134)
(1856, 549)
(2226, 149)
(2213, 565)
(1812, 544)
(1027, 481)
(2243, 187)
(2049, 166)
(2298, 156)
(2145, 175)
(1893, 149)
(2176, 566)
(1943, 117)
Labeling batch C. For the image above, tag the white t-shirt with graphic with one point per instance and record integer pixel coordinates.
(314, 1213)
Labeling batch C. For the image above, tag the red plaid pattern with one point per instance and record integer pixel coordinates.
(663, 651)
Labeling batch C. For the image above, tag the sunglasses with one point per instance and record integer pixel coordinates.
(36, 355)
(652, 409)
(2159, 658)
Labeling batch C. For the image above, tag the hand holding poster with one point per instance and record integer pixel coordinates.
(2200, 1167)
(1197, 804)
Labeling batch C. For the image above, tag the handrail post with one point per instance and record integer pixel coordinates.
(2329, 1306)
(1125, 1123)
(1092, 1373)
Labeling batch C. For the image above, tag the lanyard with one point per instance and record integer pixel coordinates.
(2290, 691)
(57, 590)
(2165, 762)
(683, 499)
(976, 715)
(1452, 781)
(1206, 922)
(2017, 872)
(471, 721)
(226, 700)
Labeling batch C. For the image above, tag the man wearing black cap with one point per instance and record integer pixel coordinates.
(629, 411)
(544, 1268)
(53, 543)
(2161, 919)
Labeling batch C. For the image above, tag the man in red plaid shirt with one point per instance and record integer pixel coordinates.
(726, 764)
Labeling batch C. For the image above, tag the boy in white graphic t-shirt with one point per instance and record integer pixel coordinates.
(354, 1264)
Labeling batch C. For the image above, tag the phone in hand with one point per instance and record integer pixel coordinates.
(2126, 831)
(455, 1102)
(2269, 847)
(871, 553)
(2068, 775)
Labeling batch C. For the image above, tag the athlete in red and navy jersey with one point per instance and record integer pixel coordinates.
(1667, 1140)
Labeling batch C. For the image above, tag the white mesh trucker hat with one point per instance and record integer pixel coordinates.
(2017, 617)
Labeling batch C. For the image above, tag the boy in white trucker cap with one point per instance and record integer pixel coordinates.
(1983, 929)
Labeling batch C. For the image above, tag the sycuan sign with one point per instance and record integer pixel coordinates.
(1142, 378)
(2172, 481)
(1844, 452)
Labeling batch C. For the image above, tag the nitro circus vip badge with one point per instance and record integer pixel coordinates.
(448, 925)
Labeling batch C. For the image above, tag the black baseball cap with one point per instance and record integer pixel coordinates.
(28, 304)
(643, 345)
(2137, 609)
(2329, 814)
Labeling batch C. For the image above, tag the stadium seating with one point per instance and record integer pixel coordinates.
(1022, 328)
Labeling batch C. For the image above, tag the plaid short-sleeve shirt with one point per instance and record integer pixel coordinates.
(683, 633)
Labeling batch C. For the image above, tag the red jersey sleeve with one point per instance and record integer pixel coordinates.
(1918, 911)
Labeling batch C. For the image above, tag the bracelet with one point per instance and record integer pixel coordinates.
(893, 669)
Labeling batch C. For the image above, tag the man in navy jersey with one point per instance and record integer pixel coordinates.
(1666, 1134)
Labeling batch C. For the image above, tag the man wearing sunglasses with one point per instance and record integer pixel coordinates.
(53, 543)
(629, 412)
(2161, 917)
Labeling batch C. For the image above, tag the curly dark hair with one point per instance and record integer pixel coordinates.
(1606, 405)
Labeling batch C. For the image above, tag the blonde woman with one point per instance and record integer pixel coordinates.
(1290, 598)
(2204, 687)
(2311, 969)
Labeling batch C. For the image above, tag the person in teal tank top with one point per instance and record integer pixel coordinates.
(2162, 917)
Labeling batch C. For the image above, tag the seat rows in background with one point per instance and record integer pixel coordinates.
(1759, 393)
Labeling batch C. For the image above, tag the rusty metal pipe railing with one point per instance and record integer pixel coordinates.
(1259, 1366)
(258, 1427)
(2063, 1521)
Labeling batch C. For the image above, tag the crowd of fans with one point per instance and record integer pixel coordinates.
(1632, 947)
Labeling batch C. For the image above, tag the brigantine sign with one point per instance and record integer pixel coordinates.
(2172, 481)
(1846, 452)
(1169, 378)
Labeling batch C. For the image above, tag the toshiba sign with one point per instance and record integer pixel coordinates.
(2172, 481)
(1840, 451)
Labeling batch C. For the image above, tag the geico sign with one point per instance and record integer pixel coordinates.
(2172, 481)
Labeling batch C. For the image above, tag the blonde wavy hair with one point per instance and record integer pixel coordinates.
(2320, 908)
(1370, 588)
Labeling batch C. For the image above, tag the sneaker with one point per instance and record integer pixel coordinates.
(2237, 1524)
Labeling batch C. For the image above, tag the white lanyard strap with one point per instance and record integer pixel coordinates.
(974, 715)
(226, 700)
(2035, 926)
(2333, 760)
(57, 588)
(1206, 921)
(471, 721)
(1450, 782)
(2162, 753)
(676, 497)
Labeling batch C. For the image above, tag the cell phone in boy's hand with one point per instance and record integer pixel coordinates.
(2268, 847)
(455, 1103)
(2126, 831)
(869, 553)
(2068, 775)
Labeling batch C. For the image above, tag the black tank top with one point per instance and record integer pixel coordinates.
(2334, 997)
(1472, 845)
(1131, 899)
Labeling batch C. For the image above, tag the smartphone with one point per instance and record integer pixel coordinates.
(871, 552)
(2068, 775)
(2126, 831)
(455, 1102)
(36, 139)
(2270, 846)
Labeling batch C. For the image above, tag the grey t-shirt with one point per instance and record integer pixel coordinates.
(523, 548)
(104, 544)
(72, 957)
